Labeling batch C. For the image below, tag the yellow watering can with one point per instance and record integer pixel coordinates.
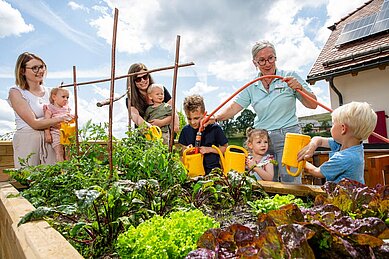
(293, 144)
(234, 159)
(153, 133)
(67, 131)
(193, 162)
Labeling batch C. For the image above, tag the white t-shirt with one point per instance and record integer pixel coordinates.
(35, 102)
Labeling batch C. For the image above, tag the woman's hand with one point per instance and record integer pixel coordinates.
(293, 83)
(296, 85)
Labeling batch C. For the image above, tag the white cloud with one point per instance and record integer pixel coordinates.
(201, 88)
(11, 21)
(237, 71)
(335, 11)
(56, 22)
(7, 118)
(76, 6)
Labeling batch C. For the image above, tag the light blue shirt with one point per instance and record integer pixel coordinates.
(276, 109)
(347, 163)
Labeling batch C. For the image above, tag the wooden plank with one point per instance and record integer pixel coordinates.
(6, 161)
(289, 188)
(375, 166)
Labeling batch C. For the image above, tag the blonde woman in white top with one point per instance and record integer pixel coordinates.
(27, 99)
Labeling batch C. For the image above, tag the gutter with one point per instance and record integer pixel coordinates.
(348, 70)
(333, 87)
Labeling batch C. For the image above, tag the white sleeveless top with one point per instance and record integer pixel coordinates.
(36, 104)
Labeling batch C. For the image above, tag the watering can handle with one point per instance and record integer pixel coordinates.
(299, 169)
(222, 161)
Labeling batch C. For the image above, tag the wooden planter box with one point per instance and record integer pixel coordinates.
(31, 240)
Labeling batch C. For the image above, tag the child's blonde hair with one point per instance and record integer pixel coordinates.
(252, 133)
(358, 116)
(154, 86)
(54, 91)
(194, 102)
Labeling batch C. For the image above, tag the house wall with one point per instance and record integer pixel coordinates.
(370, 86)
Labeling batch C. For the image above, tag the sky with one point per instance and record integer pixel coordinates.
(216, 35)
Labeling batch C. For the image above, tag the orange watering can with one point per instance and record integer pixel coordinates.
(193, 162)
(233, 159)
(293, 144)
(153, 133)
(67, 131)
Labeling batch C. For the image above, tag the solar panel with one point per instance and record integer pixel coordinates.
(357, 29)
(366, 26)
(382, 22)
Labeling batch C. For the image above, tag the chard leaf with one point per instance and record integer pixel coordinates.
(37, 214)
(86, 197)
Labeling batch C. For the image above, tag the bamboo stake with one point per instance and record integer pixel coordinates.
(105, 102)
(112, 90)
(174, 89)
(76, 108)
(128, 75)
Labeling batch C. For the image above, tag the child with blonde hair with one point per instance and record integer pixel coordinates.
(58, 106)
(259, 163)
(159, 109)
(351, 124)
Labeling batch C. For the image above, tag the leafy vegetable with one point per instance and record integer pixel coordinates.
(170, 237)
(274, 203)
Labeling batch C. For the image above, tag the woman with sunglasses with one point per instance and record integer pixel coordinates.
(139, 98)
(27, 99)
(274, 102)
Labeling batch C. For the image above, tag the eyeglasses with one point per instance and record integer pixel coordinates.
(36, 69)
(262, 62)
(138, 79)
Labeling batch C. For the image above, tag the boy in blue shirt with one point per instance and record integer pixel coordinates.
(213, 134)
(351, 124)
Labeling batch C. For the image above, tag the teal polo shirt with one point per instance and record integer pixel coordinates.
(276, 109)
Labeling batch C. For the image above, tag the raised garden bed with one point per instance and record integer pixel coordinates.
(31, 240)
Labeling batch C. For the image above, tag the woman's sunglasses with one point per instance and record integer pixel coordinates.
(138, 79)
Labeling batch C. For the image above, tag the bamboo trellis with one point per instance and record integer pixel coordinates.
(111, 100)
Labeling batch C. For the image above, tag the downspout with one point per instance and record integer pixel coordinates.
(332, 85)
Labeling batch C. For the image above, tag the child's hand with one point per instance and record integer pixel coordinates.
(306, 152)
(250, 162)
(206, 150)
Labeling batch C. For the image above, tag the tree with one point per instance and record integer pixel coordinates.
(228, 127)
(245, 120)
(325, 125)
(308, 128)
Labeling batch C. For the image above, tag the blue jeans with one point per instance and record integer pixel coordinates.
(277, 138)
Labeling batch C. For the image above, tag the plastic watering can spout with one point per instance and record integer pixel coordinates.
(193, 162)
(293, 144)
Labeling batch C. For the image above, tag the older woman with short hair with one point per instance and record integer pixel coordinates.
(274, 102)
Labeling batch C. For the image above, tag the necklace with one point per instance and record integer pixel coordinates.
(266, 83)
